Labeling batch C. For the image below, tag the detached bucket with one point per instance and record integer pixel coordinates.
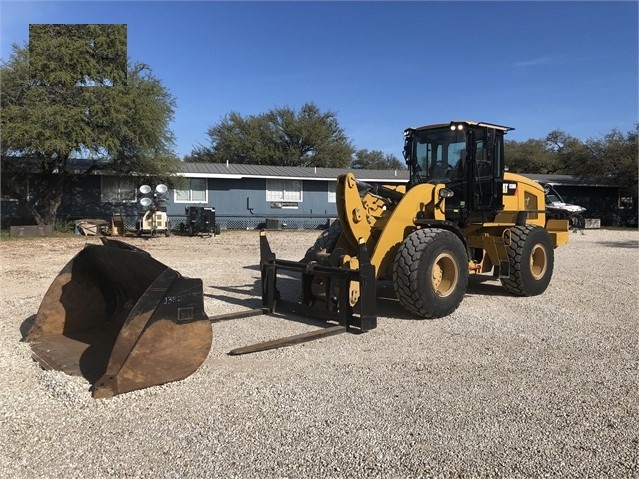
(121, 319)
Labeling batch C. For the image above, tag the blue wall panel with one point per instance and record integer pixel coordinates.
(242, 203)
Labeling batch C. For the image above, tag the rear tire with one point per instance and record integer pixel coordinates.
(531, 258)
(430, 273)
(327, 240)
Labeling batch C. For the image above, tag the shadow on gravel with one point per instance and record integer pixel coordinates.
(255, 302)
(253, 267)
(250, 303)
(387, 303)
(26, 325)
(485, 286)
(619, 244)
(390, 308)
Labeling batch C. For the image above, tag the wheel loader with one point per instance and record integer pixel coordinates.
(459, 214)
(126, 321)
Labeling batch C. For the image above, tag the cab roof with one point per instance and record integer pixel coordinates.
(464, 122)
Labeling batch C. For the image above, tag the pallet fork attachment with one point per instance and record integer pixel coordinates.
(352, 314)
(330, 292)
(351, 306)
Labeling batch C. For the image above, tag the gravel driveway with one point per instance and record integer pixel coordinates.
(504, 387)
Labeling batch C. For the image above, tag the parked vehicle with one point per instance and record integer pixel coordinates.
(557, 208)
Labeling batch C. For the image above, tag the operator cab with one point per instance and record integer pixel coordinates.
(468, 157)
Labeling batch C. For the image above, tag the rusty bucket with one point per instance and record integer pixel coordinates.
(121, 319)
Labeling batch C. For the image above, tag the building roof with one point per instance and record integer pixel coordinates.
(232, 171)
(568, 180)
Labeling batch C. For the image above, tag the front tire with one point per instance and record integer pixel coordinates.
(430, 273)
(531, 258)
(327, 240)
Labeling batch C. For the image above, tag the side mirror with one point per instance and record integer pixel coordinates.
(408, 146)
(446, 193)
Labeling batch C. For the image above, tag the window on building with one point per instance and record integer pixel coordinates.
(117, 189)
(284, 191)
(193, 190)
(625, 202)
(332, 198)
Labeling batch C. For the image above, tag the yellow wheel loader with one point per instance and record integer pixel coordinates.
(459, 214)
(126, 321)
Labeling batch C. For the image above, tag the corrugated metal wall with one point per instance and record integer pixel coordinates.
(241, 204)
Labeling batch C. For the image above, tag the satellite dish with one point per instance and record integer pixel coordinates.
(145, 189)
(161, 189)
(146, 201)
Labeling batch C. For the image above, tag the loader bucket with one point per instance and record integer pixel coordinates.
(121, 319)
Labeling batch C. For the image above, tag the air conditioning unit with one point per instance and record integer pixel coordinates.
(272, 224)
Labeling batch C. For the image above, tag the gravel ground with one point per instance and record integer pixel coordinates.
(504, 387)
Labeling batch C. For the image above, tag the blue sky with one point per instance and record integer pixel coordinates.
(380, 66)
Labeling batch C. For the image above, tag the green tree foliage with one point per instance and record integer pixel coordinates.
(281, 137)
(613, 158)
(567, 151)
(376, 160)
(199, 154)
(66, 55)
(530, 156)
(72, 94)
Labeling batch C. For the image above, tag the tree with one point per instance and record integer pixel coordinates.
(613, 158)
(281, 137)
(376, 160)
(530, 156)
(72, 94)
(199, 154)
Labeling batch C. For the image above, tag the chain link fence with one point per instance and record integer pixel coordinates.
(240, 223)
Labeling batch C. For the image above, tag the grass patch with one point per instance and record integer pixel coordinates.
(61, 229)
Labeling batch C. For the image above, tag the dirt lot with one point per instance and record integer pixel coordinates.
(504, 387)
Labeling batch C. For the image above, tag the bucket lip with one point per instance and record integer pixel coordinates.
(113, 243)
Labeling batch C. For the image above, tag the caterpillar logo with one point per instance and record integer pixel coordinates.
(185, 314)
(509, 188)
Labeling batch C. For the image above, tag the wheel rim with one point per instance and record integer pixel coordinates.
(538, 262)
(445, 274)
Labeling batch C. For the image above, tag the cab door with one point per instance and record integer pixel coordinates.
(486, 170)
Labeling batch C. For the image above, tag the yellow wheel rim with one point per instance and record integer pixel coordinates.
(445, 274)
(538, 262)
